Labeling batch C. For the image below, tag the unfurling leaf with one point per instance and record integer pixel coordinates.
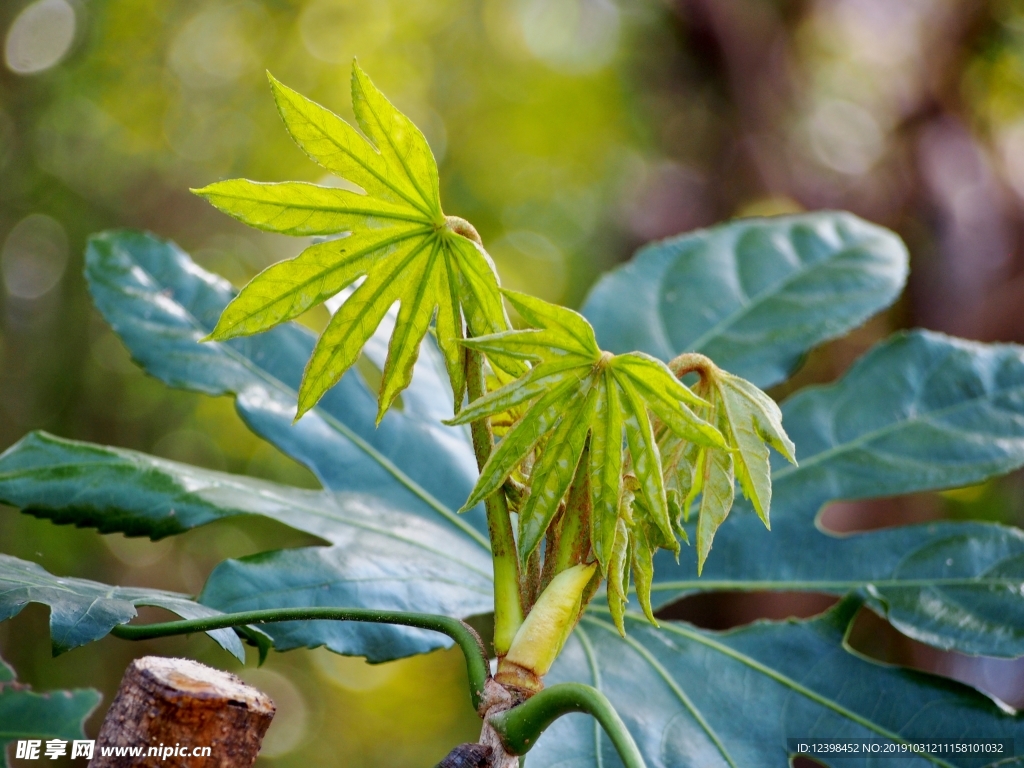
(396, 237)
(575, 390)
(750, 422)
(618, 573)
(644, 541)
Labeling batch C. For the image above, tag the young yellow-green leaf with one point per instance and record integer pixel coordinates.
(299, 208)
(750, 422)
(339, 148)
(717, 486)
(634, 543)
(574, 391)
(556, 466)
(645, 459)
(618, 572)
(642, 562)
(755, 422)
(399, 242)
(399, 142)
(285, 290)
(606, 462)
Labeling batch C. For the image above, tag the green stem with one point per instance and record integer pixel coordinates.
(477, 666)
(520, 727)
(508, 607)
(574, 538)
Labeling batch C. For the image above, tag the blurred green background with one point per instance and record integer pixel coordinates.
(569, 132)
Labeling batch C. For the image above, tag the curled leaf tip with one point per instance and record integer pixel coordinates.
(462, 227)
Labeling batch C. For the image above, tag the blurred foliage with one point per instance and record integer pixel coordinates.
(567, 131)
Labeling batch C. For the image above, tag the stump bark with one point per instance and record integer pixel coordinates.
(176, 706)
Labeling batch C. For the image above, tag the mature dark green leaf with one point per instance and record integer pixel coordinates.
(701, 699)
(380, 555)
(399, 240)
(919, 412)
(161, 304)
(82, 611)
(571, 392)
(25, 714)
(753, 294)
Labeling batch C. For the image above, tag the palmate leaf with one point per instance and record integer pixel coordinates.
(25, 714)
(693, 698)
(82, 611)
(379, 555)
(575, 390)
(398, 239)
(921, 411)
(752, 294)
(161, 303)
(750, 421)
(952, 585)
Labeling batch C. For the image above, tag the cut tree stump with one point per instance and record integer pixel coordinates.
(177, 706)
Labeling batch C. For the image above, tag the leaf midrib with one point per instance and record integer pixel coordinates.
(753, 585)
(287, 503)
(432, 206)
(327, 208)
(867, 437)
(414, 487)
(248, 599)
(319, 275)
(383, 179)
(672, 684)
(756, 301)
(778, 677)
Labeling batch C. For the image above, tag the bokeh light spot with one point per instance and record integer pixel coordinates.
(40, 36)
(335, 30)
(352, 674)
(291, 721)
(571, 36)
(1012, 147)
(529, 261)
(34, 256)
(216, 46)
(845, 137)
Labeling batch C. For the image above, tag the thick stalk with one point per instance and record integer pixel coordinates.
(508, 607)
(520, 727)
(477, 666)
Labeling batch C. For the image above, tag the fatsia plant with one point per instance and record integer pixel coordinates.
(591, 438)
(396, 237)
